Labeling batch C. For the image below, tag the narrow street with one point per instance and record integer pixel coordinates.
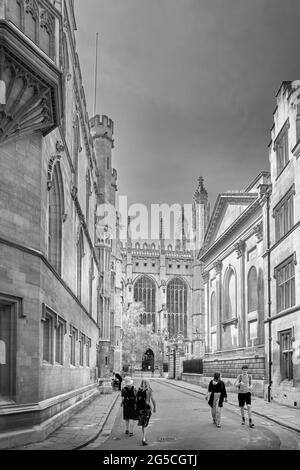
(183, 421)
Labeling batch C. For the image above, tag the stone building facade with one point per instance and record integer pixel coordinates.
(52, 268)
(282, 214)
(232, 257)
(165, 277)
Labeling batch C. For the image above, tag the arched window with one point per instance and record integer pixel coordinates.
(170, 247)
(80, 255)
(177, 307)
(252, 290)
(145, 246)
(230, 295)
(55, 215)
(76, 146)
(137, 246)
(87, 197)
(213, 310)
(15, 12)
(31, 20)
(66, 71)
(153, 246)
(91, 278)
(145, 291)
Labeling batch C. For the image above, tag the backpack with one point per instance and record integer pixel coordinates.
(141, 402)
(130, 396)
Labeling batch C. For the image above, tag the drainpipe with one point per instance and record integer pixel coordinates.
(268, 192)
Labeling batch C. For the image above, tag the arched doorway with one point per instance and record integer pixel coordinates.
(148, 360)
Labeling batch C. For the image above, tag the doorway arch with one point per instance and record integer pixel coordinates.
(148, 360)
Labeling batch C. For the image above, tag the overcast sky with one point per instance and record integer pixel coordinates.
(190, 86)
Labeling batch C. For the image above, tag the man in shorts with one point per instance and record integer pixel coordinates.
(244, 384)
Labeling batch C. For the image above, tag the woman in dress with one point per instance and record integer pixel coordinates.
(143, 406)
(218, 394)
(128, 395)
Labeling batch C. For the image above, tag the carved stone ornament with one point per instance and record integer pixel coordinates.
(218, 266)
(31, 7)
(240, 248)
(74, 192)
(205, 276)
(46, 21)
(163, 283)
(258, 230)
(59, 146)
(51, 165)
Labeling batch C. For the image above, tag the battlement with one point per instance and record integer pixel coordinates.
(102, 126)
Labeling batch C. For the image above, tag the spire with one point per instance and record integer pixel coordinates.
(183, 231)
(200, 195)
(129, 243)
(161, 234)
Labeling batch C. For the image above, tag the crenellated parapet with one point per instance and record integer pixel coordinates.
(102, 127)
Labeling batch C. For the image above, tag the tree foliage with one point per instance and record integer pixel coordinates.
(137, 338)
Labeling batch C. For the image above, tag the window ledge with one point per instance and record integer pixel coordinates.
(288, 311)
(296, 149)
(281, 171)
(231, 321)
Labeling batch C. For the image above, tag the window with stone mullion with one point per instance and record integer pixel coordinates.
(286, 286)
(286, 354)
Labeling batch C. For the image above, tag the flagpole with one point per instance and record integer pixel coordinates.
(96, 74)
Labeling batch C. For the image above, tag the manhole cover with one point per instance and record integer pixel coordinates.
(167, 439)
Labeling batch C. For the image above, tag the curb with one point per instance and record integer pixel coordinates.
(232, 404)
(92, 439)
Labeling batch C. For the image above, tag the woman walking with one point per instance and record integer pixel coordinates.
(218, 394)
(128, 395)
(143, 405)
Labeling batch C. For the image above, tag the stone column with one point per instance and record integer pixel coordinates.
(218, 269)
(242, 323)
(205, 277)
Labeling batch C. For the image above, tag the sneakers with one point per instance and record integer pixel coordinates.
(131, 434)
(145, 443)
(251, 425)
(243, 420)
(126, 432)
(218, 425)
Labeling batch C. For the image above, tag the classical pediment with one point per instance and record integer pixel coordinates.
(228, 209)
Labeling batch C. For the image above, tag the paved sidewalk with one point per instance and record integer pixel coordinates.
(280, 414)
(81, 429)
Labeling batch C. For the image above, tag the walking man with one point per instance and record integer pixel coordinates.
(244, 384)
(218, 394)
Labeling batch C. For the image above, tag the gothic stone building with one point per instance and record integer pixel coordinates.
(51, 264)
(282, 212)
(165, 277)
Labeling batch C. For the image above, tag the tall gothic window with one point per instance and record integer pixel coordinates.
(80, 254)
(88, 195)
(252, 290)
(145, 291)
(281, 146)
(55, 215)
(76, 145)
(177, 307)
(91, 278)
(15, 12)
(213, 310)
(284, 214)
(230, 295)
(252, 304)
